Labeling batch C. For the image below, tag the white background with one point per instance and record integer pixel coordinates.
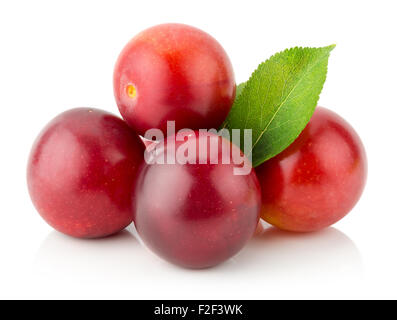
(58, 55)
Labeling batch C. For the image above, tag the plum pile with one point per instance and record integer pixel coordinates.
(90, 174)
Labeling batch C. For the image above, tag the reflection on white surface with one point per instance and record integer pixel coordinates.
(89, 259)
(300, 255)
(273, 262)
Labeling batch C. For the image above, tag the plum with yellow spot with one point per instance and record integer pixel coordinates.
(173, 72)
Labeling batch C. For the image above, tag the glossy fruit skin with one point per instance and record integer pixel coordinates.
(196, 215)
(81, 173)
(178, 73)
(318, 179)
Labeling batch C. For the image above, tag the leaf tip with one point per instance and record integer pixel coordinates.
(331, 47)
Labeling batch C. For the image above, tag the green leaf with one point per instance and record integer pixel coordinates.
(240, 88)
(279, 99)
